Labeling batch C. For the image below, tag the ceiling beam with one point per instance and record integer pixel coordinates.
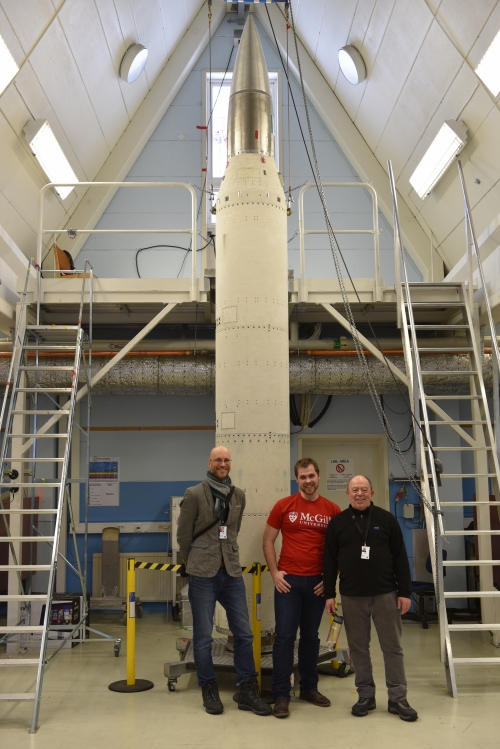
(123, 156)
(348, 137)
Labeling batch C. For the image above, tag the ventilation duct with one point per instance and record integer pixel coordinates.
(313, 375)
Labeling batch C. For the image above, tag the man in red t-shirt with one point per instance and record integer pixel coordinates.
(298, 581)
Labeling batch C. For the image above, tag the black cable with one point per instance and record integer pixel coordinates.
(322, 413)
(187, 250)
(294, 414)
(384, 405)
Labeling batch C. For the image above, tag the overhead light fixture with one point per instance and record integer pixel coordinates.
(8, 66)
(489, 67)
(447, 144)
(133, 62)
(49, 154)
(352, 64)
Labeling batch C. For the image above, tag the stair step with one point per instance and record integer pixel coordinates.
(40, 412)
(48, 346)
(21, 628)
(33, 460)
(434, 284)
(472, 594)
(43, 391)
(440, 327)
(466, 422)
(24, 597)
(464, 476)
(39, 368)
(453, 350)
(467, 504)
(436, 448)
(453, 397)
(25, 539)
(19, 662)
(436, 304)
(22, 697)
(34, 511)
(471, 562)
(59, 435)
(466, 372)
(472, 627)
(471, 533)
(33, 485)
(476, 660)
(52, 327)
(28, 567)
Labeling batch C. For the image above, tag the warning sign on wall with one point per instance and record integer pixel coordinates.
(338, 473)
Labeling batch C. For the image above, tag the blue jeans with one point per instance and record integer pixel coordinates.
(229, 591)
(300, 607)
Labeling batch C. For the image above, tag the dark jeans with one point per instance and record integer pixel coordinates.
(300, 607)
(358, 612)
(229, 591)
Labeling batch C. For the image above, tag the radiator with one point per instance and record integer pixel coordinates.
(150, 585)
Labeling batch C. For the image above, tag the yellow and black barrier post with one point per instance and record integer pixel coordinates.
(131, 684)
(256, 620)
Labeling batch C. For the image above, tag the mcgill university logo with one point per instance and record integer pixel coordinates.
(293, 516)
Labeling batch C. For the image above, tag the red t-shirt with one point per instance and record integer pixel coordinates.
(303, 526)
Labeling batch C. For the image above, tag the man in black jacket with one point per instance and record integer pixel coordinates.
(365, 545)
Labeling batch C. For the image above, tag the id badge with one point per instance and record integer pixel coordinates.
(222, 531)
(365, 552)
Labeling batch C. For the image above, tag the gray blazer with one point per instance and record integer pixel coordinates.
(204, 555)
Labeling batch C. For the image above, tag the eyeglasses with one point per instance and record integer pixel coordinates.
(220, 460)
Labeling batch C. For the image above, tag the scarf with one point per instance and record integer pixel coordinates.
(220, 491)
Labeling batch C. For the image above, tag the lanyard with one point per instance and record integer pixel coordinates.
(364, 536)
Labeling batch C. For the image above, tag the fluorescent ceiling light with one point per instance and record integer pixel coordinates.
(49, 154)
(8, 66)
(447, 144)
(489, 67)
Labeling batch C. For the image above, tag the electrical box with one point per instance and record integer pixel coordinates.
(408, 511)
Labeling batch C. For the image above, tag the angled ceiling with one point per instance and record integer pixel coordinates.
(420, 57)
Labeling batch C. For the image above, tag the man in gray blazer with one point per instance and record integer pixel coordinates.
(209, 523)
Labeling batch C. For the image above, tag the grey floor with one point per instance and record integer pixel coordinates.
(79, 712)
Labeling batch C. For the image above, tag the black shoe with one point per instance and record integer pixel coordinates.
(211, 699)
(363, 706)
(403, 709)
(249, 699)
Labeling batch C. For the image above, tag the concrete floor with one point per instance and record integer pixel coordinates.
(78, 710)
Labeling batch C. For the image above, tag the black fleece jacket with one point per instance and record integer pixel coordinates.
(386, 570)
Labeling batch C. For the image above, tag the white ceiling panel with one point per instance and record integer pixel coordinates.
(333, 34)
(62, 82)
(308, 17)
(465, 20)
(150, 22)
(14, 109)
(134, 93)
(29, 19)
(95, 65)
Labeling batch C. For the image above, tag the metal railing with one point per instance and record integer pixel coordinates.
(375, 232)
(74, 232)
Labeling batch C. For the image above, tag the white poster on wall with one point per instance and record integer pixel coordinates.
(339, 471)
(104, 482)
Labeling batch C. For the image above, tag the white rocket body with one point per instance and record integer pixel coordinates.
(252, 379)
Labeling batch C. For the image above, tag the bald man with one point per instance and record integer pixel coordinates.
(209, 523)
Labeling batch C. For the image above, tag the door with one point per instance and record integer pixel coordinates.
(341, 456)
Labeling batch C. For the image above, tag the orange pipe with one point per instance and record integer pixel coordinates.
(321, 352)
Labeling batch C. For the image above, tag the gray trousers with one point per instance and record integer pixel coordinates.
(358, 612)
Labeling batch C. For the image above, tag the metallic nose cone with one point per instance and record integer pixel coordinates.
(250, 118)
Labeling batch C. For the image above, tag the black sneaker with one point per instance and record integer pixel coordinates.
(403, 709)
(211, 699)
(363, 706)
(249, 699)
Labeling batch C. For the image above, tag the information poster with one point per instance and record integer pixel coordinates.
(339, 471)
(104, 488)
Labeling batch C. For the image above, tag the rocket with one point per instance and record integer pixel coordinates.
(252, 380)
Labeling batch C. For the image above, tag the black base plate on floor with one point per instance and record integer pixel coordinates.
(141, 685)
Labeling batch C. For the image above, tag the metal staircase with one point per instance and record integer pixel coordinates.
(454, 429)
(32, 480)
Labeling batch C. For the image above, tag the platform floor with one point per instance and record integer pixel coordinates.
(79, 711)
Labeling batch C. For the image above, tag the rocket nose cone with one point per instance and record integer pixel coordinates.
(250, 70)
